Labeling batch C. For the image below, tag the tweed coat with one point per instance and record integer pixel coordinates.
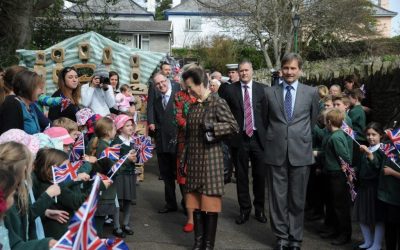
(205, 163)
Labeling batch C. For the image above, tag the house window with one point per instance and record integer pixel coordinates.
(138, 41)
(193, 24)
(145, 42)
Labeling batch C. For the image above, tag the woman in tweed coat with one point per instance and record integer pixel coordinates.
(203, 157)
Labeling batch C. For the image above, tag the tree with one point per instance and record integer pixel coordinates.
(161, 6)
(16, 18)
(21, 21)
(268, 23)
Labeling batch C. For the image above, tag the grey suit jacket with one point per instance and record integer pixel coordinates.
(290, 139)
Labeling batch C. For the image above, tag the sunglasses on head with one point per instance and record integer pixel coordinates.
(66, 70)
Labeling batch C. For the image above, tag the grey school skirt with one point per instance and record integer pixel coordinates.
(126, 187)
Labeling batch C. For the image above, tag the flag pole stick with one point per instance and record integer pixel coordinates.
(54, 181)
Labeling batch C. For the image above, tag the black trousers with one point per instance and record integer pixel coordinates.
(167, 166)
(392, 226)
(250, 151)
(341, 201)
(315, 191)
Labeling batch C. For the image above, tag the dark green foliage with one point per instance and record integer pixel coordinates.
(161, 6)
(216, 52)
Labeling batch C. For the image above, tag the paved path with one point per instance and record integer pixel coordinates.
(155, 231)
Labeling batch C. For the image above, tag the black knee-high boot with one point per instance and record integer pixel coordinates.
(210, 228)
(198, 220)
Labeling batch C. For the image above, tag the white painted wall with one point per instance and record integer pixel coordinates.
(209, 26)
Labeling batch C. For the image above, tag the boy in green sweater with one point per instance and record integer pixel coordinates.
(335, 147)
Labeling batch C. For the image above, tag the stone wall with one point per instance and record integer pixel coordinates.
(381, 76)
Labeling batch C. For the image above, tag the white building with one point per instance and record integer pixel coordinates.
(192, 22)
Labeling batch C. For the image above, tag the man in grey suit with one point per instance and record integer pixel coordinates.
(292, 109)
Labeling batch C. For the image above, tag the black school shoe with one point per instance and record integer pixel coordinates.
(118, 232)
(127, 230)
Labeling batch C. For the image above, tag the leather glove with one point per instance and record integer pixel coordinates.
(208, 127)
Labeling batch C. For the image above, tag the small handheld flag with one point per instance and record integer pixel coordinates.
(66, 172)
(78, 149)
(350, 176)
(111, 152)
(394, 136)
(117, 165)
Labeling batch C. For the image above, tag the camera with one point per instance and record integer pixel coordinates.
(104, 82)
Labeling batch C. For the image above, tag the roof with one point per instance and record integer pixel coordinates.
(379, 11)
(144, 26)
(189, 6)
(120, 56)
(121, 8)
(193, 8)
(131, 26)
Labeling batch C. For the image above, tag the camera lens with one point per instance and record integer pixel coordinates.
(104, 80)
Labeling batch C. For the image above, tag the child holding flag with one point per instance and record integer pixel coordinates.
(367, 210)
(105, 132)
(19, 219)
(126, 177)
(388, 191)
(71, 197)
(335, 147)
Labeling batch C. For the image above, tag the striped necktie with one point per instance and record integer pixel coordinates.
(248, 112)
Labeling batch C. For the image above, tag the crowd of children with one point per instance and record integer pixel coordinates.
(353, 168)
(36, 220)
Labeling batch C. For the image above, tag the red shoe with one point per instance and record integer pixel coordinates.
(188, 228)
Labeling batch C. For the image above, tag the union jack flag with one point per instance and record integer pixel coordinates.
(66, 172)
(65, 102)
(348, 130)
(78, 149)
(111, 152)
(387, 148)
(350, 176)
(143, 146)
(117, 165)
(394, 136)
(144, 98)
(81, 234)
(115, 244)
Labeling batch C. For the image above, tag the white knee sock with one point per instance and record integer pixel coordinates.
(378, 236)
(367, 234)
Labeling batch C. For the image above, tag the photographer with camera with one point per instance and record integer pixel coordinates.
(98, 95)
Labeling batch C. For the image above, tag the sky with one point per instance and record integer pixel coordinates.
(395, 6)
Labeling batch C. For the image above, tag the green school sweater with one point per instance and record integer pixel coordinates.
(389, 186)
(17, 233)
(368, 170)
(128, 168)
(103, 166)
(358, 119)
(335, 146)
(70, 199)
